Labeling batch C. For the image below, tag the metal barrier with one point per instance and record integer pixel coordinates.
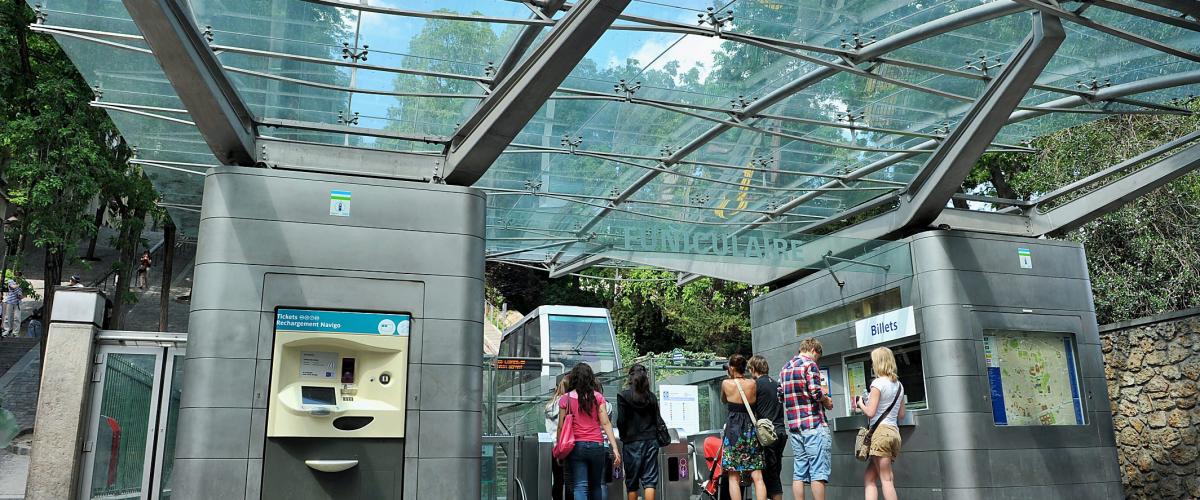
(524, 470)
(135, 395)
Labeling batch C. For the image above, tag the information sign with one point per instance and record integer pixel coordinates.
(856, 381)
(1025, 257)
(885, 327)
(339, 203)
(1032, 378)
(308, 320)
(316, 364)
(519, 364)
(680, 407)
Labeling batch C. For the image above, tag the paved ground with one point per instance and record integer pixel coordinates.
(13, 470)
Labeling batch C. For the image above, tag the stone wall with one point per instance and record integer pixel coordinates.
(1153, 367)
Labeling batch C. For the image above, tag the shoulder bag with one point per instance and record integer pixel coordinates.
(862, 442)
(565, 441)
(661, 434)
(764, 429)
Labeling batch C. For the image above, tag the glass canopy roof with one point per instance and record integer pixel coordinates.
(600, 160)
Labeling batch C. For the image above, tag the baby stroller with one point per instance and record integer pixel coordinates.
(715, 487)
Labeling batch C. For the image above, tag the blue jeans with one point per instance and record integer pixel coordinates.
(586, 463)
(813, 451)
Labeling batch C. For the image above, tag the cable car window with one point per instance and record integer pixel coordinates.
(576, 339)
(532, 338)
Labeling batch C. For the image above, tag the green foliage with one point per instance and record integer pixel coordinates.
(1144, 259)
(650, 312)
(58, 154)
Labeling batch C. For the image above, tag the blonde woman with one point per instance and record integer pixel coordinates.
(886, 402)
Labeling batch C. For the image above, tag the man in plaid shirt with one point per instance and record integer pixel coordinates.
(804, 405)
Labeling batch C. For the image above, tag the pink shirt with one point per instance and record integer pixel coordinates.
(587, 425)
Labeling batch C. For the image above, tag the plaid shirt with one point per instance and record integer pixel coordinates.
(800, 388)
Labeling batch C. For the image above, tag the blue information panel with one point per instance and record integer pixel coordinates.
(1033, 378)
(311, 320)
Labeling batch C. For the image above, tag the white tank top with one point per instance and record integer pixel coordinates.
(887, 392)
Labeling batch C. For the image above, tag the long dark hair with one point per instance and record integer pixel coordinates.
(639, 383)
(583, 382)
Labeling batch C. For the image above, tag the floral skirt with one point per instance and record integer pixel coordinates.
(742, 451)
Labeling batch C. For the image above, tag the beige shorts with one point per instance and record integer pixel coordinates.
(885, 442)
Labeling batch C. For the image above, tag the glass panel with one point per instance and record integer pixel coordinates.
(167, 464)
(533, 338)
(494, 477)
(1033, 378)
(908, 368)
(123, 431)
(581, 339)
(854, 311)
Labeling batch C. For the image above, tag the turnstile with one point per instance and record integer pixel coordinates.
(534, 464)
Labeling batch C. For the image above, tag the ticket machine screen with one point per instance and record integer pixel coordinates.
(310, 395)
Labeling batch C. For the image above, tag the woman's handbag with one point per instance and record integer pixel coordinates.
(565, 441)
(862, 442)
(764, 429)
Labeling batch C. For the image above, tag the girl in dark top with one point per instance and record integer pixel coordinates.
(637, 419)
(742, 453)
(767, 405)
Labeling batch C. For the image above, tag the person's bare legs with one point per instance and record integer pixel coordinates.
(818, 489)
(870, 491)
(797, 489)
(632, 495)
(888, 479)
(649, 493)
(760, 487)
(735, 484)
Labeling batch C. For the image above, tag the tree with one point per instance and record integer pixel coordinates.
(1144, 259)
(53, 145)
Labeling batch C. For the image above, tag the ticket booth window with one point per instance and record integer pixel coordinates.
(1033, 378)
(909, 369)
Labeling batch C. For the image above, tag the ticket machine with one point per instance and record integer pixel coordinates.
(338, 374)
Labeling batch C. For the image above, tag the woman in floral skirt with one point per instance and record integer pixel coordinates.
(742, 453)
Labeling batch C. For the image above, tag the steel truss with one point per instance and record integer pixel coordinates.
(913, 35)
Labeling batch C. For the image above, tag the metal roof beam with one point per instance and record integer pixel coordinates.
(900, 40)
(1148, 14)
(524, 41)
(953, 160)
(1117, 32)
(1115, 194)
(577, 265)
(1187, 7)
(1075, 213)
(514, 101)
(194, 72)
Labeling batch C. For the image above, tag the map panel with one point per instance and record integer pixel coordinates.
(1033, 378)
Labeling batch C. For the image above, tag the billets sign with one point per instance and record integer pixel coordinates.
(885, 327)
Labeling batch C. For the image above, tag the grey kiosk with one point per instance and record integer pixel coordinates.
(998, 350)
(333, 349)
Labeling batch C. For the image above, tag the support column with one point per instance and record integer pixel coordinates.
(62, 397)
(272, 238)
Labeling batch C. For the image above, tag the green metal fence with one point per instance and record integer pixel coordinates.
(127, 399)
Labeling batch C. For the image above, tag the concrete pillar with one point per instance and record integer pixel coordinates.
(60, 425)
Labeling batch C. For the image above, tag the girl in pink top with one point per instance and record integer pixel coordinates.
(586, 461)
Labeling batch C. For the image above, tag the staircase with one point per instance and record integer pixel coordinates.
(12, 350)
